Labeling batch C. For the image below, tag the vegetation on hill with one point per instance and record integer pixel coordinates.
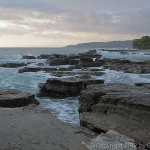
(143, 43)
(111, 44)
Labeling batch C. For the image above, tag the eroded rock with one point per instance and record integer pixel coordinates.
(65, 87)
(120, 107)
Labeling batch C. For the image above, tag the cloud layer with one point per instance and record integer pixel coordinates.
(58, 23)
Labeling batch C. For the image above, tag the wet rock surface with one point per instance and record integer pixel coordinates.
(13, 98)
(65, 87)
(120, 107)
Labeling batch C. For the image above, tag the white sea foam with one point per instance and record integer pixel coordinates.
(65, 110)
(112, 76)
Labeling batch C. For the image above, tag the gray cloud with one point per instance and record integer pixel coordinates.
(60, 19)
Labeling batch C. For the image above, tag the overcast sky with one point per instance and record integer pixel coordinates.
(62, 22)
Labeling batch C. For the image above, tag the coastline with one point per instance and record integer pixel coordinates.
(33, 127)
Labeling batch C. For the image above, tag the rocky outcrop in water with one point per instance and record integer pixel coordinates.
(79, 74)
(12, 65)
(28, 57)
(58, 61)
(120, 107)
(65, 87)
(36, 69)
(71, 59)
(127, 66)
(92, 59)
(14, 98)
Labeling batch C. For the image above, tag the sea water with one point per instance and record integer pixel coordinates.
(64, 109)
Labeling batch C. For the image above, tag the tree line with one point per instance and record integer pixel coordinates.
(143, 43)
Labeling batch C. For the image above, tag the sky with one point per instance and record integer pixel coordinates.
(56, 23)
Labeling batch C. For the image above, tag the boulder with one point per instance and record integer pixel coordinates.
(12, 65)
(64, 87)
(11, 98)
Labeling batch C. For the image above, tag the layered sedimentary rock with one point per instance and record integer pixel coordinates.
(91, 59)
(127, 66)
(120, 107)
(13, 98)
(65, 87)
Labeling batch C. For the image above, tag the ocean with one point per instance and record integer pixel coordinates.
(64, 109)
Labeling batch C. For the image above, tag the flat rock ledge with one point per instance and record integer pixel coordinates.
(34, 128)
(65, 87)
(119, 107)
(11, 98)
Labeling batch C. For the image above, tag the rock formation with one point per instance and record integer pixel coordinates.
(28, 57)
(127, 66)
(14, 98)
(36, 69)
(120, 107)
(65, 87)
(12, 65)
